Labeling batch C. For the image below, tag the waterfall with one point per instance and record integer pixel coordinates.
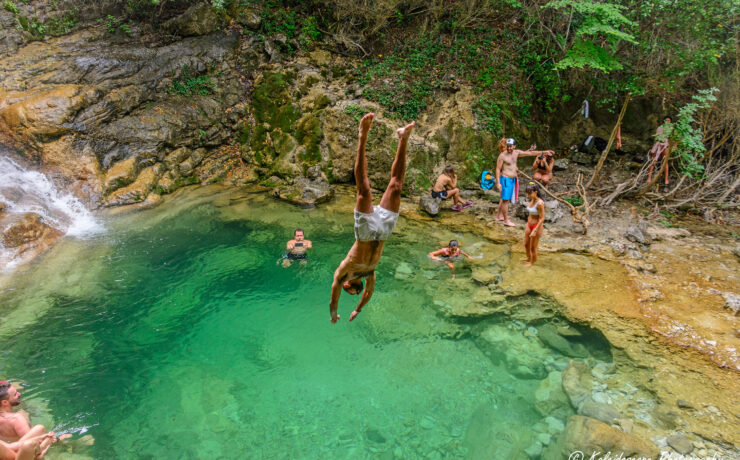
(23, 191)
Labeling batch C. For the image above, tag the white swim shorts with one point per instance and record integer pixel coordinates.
(376, 226)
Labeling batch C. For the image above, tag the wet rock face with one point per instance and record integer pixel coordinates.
(27, 234)
(305, 192)
(637, 233)
(85, 100)
(199, 19)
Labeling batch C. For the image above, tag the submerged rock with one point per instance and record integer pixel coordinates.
(591, 437)
(551, 338)
(599, 411)
(577, 383)
(523, 356)
(680, 443)
(550, 399)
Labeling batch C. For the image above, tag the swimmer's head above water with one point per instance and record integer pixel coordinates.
(354, 286)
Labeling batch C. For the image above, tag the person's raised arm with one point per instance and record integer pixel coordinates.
(465, 254)
(550, 164)
(499, 166)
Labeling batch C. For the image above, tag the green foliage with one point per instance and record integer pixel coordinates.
(596, 36)
(489, 116)
(189, 85)
(356, 111)
(575, 200)
(114, 24)
(62, 25)
(689, 146)
(10, 6)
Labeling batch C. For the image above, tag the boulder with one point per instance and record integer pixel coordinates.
(680, 443)
(595, 438)
(487, 434)
(27, 230)
(485, 275)
(430, 205)
(577, 383)
(199, 19)
(550, 399)
(305, 192)
(554, 211)
(320, 58)
(561, 164)
(599, 411)
(637, 233)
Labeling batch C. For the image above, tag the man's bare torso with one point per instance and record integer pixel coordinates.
(509, 167)
(361, 260)
(8, 432)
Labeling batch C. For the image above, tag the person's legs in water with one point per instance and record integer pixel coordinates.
(534, 242)
(286, 263)
(392, 197)
(452, 268)
(364, 193)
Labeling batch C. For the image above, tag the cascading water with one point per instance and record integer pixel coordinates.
(25, 191)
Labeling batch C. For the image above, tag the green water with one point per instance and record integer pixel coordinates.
(175, 335)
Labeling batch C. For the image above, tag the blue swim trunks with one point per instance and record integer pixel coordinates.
(507, 187)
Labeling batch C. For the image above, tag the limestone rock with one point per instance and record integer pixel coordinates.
(599, 411)
(120, 174)
(138, 190)
(554, 425)
(430, 205)
(320, 58)
(486, 434)
(484, 275)
(166, 184)
(199, 19)
(577, 383)
(305, 192)
(680, 443)
(47, 113)
(561, 164)
(594, 437)
(550, 399)
(637, 233)
(534, 451)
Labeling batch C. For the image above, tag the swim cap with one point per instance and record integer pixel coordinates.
(510, 141)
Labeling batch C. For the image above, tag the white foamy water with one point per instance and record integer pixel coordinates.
(23, 190)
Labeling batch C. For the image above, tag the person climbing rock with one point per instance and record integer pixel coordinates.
(446, 187)
(507, 175)
(452, 253)
(660, 148)
(373, 224)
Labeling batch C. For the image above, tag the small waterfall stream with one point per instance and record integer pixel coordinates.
(26, 191)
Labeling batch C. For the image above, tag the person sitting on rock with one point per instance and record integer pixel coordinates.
(446, 187)
(450, 254)
(543, 165)
(373, 225)
(296, 249)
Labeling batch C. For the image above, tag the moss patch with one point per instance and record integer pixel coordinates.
(272, 102)
(309, 134)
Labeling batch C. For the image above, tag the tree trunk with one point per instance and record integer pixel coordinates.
(611, 141)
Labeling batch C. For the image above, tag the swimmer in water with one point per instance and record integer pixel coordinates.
(296, 249)
(449, 255)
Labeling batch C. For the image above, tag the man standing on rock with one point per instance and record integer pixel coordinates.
(507, 176)
(373, 225)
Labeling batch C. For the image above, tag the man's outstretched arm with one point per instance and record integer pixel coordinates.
(336, 290)
(532, 153)
(366, 295)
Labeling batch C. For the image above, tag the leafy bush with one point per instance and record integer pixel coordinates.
(188, 85)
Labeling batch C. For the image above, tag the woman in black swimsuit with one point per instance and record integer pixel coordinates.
(543, 165)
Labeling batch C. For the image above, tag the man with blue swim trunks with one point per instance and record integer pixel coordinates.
(507, 176)
(373, 224)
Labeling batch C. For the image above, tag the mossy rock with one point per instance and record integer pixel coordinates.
(263, 150)
(310, 135)
(272, 102)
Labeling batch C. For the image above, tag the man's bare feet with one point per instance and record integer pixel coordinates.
(405, 132)
(354, 315)
(524, 259)
(499, 218)
(334, 318)
(509, 223)
(365, 124)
